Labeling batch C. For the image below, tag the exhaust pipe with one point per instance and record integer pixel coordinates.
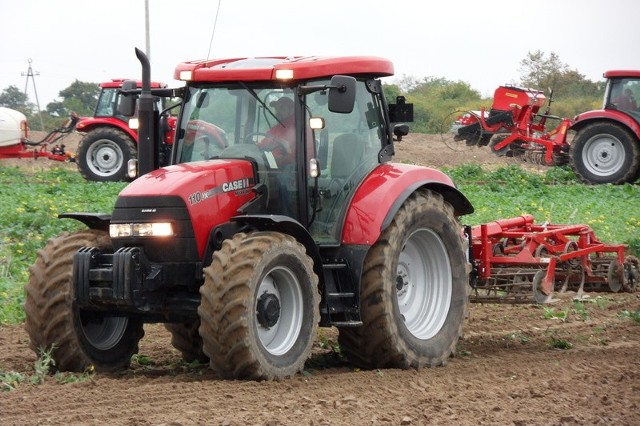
(148, 118)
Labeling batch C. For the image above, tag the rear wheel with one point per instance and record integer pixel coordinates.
(103, 155)
(186, 339)
(259, 307)
(79, 338)
(414, 290)
(605, 153)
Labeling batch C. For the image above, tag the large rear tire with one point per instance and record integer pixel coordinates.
(186, 339)
(79, 338)
(103, 155)
(605, 153)
(414, 290)
(259, 307)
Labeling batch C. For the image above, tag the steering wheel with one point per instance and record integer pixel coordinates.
(249, 139)
(209, 148)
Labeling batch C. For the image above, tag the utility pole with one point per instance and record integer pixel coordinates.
(146, 28)
(31, 74)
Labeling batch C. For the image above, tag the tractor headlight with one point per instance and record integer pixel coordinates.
(154, 229)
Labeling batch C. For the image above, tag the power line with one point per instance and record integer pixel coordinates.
(31, 74)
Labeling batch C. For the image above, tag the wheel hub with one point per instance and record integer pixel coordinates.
(603, 155)
(268, 310)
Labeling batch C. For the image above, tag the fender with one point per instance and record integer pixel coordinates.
(581, 120)
(98, 221)
(379, 197)
(277, 223)
(85, 125)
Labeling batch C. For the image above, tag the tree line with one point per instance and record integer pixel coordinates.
(437, 100)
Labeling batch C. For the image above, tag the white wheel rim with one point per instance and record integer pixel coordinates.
(424, 284)
(282, 283)
(104, 157)
(603, 155)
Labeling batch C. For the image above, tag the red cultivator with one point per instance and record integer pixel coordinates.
(519, 126)
(517, 261)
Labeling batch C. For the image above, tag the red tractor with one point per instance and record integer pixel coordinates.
(253, 237)
(109, 142)
(606, 145)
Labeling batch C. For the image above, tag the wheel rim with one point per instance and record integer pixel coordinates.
(424, 284)
(279, 326)
(603, 155)
(103, 333)
(104, 157)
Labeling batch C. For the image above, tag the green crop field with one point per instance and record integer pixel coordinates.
(31, 202)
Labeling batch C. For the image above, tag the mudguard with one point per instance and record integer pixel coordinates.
(88, 124)
(382, 193)
(589, 117)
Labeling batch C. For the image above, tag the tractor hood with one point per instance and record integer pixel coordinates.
(198, 195)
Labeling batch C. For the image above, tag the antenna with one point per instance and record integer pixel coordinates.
(31, 74)
(146, 29)
(215, 22)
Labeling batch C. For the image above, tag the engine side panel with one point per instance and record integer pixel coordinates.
(213, 192)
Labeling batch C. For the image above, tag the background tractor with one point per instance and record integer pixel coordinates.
(604, 149)
(243, 252)
(109, 142)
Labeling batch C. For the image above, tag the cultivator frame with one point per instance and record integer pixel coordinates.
(517, 261)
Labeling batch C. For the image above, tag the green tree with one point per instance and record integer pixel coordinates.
(14, 98)
(80, 97)
(436, 101)
(542, 71)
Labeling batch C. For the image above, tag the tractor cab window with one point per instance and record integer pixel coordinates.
(245, 122)
(623, 95)
(347, 151)
(107, 102)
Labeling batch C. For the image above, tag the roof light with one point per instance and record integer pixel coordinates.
(186, 75)
(284, 74)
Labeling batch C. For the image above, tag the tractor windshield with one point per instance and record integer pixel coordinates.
(269, 125)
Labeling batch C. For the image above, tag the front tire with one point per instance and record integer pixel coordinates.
(80, 339)
(103, 155)
(259, 307)
(605, 153)
(414, 290)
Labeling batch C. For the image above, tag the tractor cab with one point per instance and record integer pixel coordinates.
(309, 154)
(623, 93)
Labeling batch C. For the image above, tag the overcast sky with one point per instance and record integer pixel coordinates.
(477, 41)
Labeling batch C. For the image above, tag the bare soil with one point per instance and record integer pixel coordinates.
(506, 371)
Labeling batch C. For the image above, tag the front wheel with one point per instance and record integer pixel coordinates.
(78, 339)
(414, 290)
(103, 155)
(259, 307)
(605, 153)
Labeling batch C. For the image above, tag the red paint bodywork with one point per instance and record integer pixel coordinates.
(584, 118)
(303, 67)
(185, 180)
(376, 195)
(87, 124)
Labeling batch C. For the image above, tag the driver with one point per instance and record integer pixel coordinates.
(626, 100)
(281, 139)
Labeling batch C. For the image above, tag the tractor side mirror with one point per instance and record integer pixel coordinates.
(342, 94)
(400, 130)
(127, 105)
